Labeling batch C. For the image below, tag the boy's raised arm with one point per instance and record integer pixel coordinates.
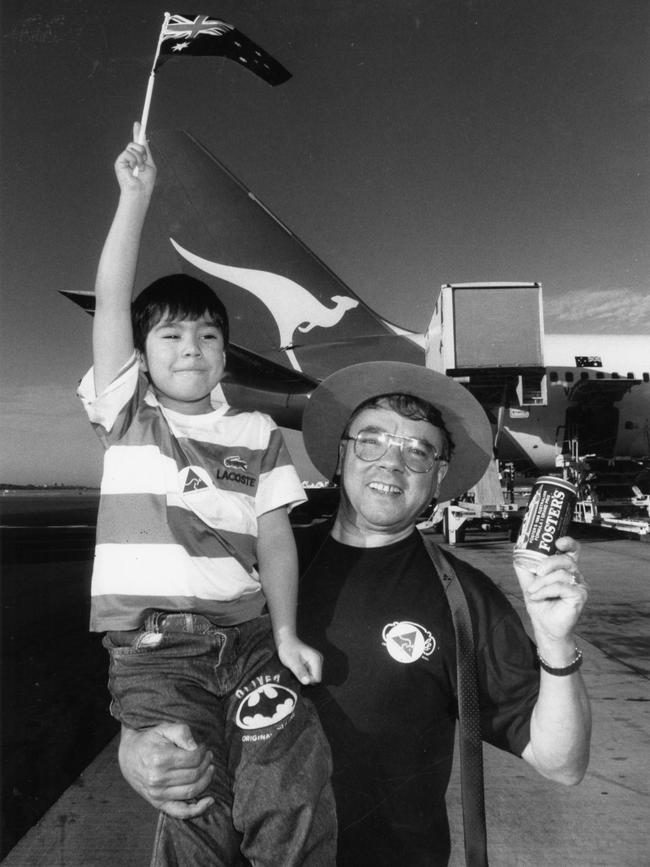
(112, 331)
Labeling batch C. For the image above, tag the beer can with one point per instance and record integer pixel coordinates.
(547, 518)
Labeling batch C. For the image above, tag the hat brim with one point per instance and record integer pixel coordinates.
(332, 403)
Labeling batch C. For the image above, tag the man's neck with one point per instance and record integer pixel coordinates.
(349, 533)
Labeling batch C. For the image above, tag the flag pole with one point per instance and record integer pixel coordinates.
(152, 77)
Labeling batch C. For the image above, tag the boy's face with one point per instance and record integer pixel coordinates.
(185, 359)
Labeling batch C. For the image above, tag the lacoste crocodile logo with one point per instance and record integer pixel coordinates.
(234, 462)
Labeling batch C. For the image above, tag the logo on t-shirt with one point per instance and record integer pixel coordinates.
(235, 462)
(192, 481)
(407, 642)
(265, 706)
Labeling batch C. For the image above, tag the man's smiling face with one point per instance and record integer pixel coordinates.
(383, 498)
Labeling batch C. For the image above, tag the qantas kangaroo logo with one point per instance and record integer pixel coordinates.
(291, 305)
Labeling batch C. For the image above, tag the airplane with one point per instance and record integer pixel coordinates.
(293, 322)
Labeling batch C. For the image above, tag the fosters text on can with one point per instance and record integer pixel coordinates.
(547, 518)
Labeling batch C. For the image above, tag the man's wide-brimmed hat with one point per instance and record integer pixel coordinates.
(332, 403)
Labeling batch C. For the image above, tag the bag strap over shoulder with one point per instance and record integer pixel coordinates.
(469, 720)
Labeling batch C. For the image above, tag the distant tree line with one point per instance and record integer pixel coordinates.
(60, 486)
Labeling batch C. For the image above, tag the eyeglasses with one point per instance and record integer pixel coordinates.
(418, 455)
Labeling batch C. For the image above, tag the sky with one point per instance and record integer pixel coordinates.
(419, 142)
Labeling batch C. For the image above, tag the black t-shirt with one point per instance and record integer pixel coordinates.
(387, 701)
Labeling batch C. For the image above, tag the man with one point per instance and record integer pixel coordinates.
(399, 436)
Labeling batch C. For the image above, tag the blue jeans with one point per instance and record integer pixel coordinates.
(273, 803)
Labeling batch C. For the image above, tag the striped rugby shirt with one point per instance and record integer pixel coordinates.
(170, 480)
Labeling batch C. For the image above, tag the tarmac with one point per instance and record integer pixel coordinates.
(603, 822)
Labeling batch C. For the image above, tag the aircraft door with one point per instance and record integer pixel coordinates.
(594, 426)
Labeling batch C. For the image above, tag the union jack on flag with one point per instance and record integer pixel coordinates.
(200, 35)
(184, 27)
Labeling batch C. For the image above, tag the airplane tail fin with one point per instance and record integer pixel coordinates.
(285, 304)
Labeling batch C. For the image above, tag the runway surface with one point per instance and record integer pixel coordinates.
(65, 803)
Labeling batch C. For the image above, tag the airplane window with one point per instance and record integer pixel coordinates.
(646, 377)
(553, 376)
(569, 376)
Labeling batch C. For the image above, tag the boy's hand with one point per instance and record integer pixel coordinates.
(134, 168)
(303, 661)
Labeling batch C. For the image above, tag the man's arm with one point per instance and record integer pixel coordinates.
(278, 568)
(560, 726)
(112, 331)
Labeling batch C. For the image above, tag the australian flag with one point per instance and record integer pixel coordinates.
(201, 35)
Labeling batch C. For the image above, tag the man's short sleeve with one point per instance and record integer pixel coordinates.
(507, 664)
(509, 685)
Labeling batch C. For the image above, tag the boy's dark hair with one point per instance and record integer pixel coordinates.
(410, 406)
(176, 296)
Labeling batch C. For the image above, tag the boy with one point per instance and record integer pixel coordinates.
(193, 541)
